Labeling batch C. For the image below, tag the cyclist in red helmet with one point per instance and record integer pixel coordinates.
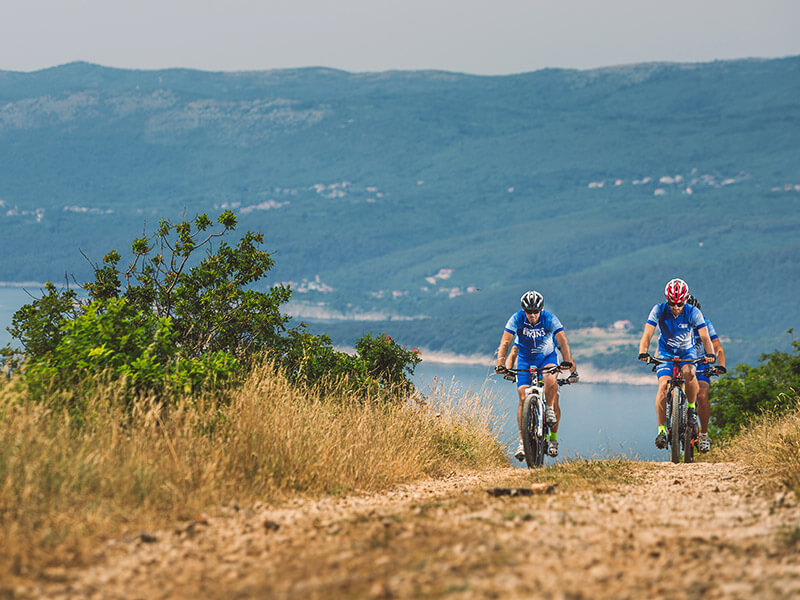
(678, 323)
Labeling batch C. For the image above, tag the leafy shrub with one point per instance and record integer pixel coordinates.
(171, 323)
(380, 365)
(310, 358)
(748, 391)
(388, 362)
(112, 340)
(210, 304)
(38, 325)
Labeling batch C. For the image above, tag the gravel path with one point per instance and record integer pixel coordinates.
(687, 531)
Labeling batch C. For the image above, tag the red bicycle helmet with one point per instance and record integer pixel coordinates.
(676, 291)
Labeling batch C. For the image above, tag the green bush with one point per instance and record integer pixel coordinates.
(747, 390)
(309, 359)
(210, 304)
(380, 365)
(112, 340)
(38, 325)
(172, 324)
(389, 363)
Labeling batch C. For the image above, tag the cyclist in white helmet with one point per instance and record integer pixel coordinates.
(678, 323)
(538, 334)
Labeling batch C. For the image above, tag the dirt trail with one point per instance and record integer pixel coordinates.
(687, 531)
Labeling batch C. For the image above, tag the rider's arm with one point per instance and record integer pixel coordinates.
(511, 361)
(566, 355)
(707, 345)
(647, 335)
(719, 351)
(502, 350)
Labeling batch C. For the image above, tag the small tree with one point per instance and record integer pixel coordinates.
(167, 324)
(171, 322)
(210, 305)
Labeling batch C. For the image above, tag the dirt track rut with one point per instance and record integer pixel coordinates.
(687, 531)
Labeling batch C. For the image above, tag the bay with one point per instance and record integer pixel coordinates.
(598, 420)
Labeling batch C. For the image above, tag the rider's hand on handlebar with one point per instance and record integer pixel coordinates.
(711, 358)
(574, 377)
(565, 364)
(720, 370)
(645, 356)
(501, 369)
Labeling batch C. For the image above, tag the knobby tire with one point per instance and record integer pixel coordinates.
(533, 445)
(690, 437)
(675, 421)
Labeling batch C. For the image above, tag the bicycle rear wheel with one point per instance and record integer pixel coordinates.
(531, 441)
(675, 424)
(690, 438)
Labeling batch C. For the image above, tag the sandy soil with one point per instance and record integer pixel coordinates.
(683, 531)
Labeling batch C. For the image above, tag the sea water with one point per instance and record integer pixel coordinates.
(598, 420)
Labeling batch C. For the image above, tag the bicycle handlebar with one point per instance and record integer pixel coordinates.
(509, 374)
(712, 370)
(555, 369)
(659, 361)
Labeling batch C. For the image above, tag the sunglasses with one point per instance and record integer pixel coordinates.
(678, 304)
(533, 312)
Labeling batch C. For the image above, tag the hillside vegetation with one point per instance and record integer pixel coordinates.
(190, 507)
(432, 199)
(66, 483)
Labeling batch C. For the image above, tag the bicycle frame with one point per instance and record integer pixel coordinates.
(681, 435)
(534, 430)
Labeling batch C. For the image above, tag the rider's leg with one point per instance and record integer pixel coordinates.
(551, 396)
(703, 406)
(661, 401)
(520, 452)
(691, 383)
(521, 391)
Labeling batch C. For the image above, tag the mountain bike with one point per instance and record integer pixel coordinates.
(681, 435)
(535, 432)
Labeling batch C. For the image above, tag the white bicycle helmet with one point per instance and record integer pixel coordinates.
(532, 301)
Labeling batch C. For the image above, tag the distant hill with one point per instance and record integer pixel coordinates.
(424, 203)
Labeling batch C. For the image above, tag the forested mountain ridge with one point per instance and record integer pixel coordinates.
(424, 203)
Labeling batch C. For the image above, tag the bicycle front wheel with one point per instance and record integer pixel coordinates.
(675, 424)
(532, 441)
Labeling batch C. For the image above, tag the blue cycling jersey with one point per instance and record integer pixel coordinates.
(701, 351)
(534, 340)
(698, 343)
(677, 333)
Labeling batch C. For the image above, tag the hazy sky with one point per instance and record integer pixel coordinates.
(472, 36)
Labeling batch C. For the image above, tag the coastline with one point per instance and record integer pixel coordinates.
(587, 371)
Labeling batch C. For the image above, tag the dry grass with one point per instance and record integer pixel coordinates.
(64, 488)
(771, 443)
(594, 475)
(579, 475)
